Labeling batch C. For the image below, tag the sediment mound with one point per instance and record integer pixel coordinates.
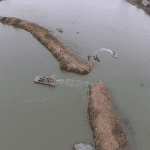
(68, 62)
(108, 134)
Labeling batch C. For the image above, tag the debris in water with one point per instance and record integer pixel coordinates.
(59, 30)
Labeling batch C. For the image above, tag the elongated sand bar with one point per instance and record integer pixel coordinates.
(108, 134)
(68, 62)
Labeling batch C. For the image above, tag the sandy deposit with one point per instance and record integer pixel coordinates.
(108, 134)
(68, 62)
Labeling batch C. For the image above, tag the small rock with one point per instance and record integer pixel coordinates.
(59, 30)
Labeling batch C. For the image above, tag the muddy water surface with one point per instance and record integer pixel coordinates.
(35, 117)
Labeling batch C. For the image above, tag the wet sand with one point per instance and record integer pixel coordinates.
(68, 62)
(108, 134)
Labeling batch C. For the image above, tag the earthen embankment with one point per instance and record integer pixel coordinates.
(108, 134)
(68, 62)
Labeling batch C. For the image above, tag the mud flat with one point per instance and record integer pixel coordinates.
(68, 62)
(108, 134)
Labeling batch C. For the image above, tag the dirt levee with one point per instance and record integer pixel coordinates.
(68, 62)
(108, 134)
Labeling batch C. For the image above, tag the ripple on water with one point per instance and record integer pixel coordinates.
(73, 83)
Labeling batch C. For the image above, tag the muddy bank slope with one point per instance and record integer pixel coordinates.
(108, 134)
(68, 62)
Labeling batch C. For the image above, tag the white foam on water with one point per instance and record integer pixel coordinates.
(18, 101)
(82, 92)
(78, 84)
(60, 81)
(85, 92)
(103, 49)
(67, 82)
(73, 83)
